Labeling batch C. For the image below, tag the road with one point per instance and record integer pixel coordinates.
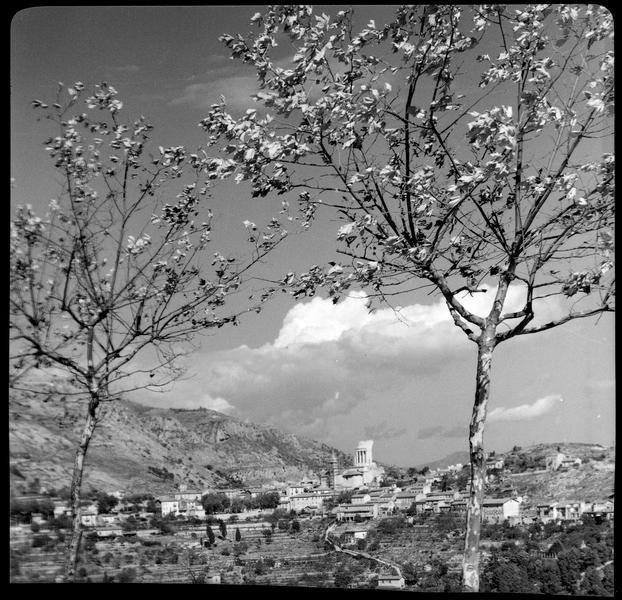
(358, 553)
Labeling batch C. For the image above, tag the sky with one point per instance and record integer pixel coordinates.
(402, 376)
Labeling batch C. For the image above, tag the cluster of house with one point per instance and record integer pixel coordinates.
(308, 496)
(106, 524)
(562, 462)
(368, 500)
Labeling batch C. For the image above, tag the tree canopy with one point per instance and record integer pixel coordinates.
(466, 150)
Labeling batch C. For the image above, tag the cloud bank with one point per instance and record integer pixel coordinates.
(524, 412)
(335, 370)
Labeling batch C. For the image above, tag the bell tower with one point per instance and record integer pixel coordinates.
(332, 478)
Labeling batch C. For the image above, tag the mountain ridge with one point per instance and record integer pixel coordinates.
(142, 448)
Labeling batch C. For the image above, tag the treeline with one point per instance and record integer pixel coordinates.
(577, 563)
(22, 509)
(216, 502)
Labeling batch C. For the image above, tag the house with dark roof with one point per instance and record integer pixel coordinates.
(404, 500)
(348, 512)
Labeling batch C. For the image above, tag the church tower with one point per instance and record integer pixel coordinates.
(332, 477)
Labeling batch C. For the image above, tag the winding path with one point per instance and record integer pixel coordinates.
(357, 553)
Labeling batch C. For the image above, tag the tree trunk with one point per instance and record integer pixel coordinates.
(470, 564)
(76, 490)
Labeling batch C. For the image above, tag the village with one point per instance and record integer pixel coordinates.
(338, 510)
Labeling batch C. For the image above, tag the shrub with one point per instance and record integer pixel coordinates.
(41, 540)
(343, 577)
(127, 575)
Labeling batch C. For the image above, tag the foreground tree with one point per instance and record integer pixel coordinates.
(111, 284)
(468, 173)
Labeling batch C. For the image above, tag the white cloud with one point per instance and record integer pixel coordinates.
(480, 303)
(350, 321)
(327, 360)
(524, 412)
(427, 325)
(329, 364)
(321, 321)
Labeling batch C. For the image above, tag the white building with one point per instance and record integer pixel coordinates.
(348, 512)
(352, 533)
(365, 471)
(422, 486)
(361, 498)
(313, 499)
(295, 489)
(497, 510)
(390, 582)
(88, 518)
(404, 500)
(562, 461)
(183, 503)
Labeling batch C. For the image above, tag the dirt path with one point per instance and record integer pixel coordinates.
(358, 553)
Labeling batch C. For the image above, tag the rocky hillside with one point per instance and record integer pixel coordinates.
(137, 448)
(593, 480)
(525, 471)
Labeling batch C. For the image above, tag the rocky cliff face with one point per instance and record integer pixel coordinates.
(137, 448)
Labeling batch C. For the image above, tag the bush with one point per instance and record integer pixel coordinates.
(127, 575)
(41, 540)
(391, 525)
(260, 568)
(343, 577)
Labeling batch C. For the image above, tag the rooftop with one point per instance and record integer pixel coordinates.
(355, 507)
(496, 501)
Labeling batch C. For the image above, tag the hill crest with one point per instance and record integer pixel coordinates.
(142, 448)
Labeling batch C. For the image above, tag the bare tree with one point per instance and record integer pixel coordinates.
(452, 170)
(113, 282)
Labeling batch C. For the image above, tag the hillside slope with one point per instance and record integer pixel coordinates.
(593, 480)
(525, 472)
(138, 448)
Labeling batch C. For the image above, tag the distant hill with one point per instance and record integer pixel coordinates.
(593, 480)
(451, 459)
(138, 448)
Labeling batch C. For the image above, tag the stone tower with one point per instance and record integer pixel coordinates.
(332, 477)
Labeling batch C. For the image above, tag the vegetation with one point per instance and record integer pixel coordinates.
(22, 510)
(476, 180)
(105, 502)
(112, 271)
(577, 560)
(215, 503)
